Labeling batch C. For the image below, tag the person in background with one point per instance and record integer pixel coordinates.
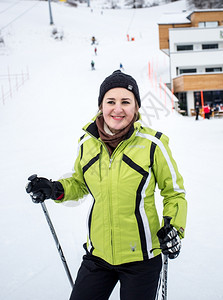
(207, 111)
(93, 40)
(92, 65)
(121, 67)
(197, 110)
(119, 163)
(217, 108)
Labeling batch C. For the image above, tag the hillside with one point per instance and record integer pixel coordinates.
(41, 121)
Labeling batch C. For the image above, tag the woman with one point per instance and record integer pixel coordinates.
(119, 163)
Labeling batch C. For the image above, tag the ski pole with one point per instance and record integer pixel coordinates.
(165, 263)
(57, 243)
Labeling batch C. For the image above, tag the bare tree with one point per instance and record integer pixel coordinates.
(206, 4)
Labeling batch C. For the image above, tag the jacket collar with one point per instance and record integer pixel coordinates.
(91, 127)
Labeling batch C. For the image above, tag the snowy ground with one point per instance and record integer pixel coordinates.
(41, 123)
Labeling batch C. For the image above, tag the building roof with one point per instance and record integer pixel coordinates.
(182, 17)
(175, 18)
(204, 10)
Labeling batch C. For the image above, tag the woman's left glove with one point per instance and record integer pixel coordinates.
(40, 188)
(170, 242)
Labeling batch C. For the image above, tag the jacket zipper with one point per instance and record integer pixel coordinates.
(110, 209)
(110, 206)
(110, 161)
(111, 158)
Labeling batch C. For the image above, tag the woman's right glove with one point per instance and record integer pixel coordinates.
(40, 188)
(170, 242)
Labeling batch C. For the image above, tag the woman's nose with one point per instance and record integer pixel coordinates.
(118, 108)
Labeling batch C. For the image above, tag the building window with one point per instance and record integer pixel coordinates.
(217, 69)
(197, 98)
(208, 24)
(210, 97)
(182, 97)
(217, 97)
(183, 71)
(209, 46)
(201, 24)
(184, 47)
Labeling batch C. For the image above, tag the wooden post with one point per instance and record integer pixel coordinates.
(165, 93)
(27, 70)
(160, 88)
(3, 98)
(10, 85)
(149, 69)
(16, 81)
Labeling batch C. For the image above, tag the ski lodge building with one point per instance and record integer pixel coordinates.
(194, 43)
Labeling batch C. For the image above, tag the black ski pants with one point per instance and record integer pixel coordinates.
(96, 279)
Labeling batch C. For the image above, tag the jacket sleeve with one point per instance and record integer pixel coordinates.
(170, 182)
(74, 187)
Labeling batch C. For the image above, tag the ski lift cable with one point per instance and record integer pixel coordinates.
(19, 16)
(15, 3)
(132, 18)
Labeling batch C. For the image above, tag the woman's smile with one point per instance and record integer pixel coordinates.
(117, 118)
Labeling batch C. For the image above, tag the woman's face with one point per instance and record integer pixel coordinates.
(118, 108)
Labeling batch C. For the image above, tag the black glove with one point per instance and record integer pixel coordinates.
(40, 188)
(169, 241)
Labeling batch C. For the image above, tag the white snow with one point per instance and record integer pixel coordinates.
(180, 17)
(41, 123)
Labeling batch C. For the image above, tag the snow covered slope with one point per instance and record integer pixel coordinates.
(41, 121)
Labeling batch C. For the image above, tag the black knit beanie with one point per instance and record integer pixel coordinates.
(119, 79)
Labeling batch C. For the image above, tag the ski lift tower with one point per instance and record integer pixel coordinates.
(50, 11)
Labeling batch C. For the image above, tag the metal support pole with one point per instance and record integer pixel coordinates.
(50, 11)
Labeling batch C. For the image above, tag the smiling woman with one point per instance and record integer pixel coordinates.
(119, 163)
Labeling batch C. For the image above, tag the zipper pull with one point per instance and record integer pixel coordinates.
(110, 163)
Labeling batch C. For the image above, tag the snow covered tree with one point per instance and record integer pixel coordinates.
(169, 1)
(135, 3)
(206, 4)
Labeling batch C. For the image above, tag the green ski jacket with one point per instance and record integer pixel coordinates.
(123, 220)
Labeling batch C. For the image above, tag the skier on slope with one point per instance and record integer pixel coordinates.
(93, 40)
(119, 163)
(92, 65)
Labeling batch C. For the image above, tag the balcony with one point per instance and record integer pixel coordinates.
(198, 82)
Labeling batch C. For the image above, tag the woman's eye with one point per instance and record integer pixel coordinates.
(111, 102)
(125, 102)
